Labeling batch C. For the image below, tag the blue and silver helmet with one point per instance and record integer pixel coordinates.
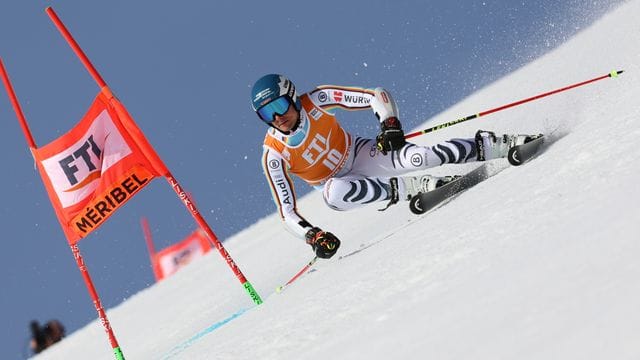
(271, 87)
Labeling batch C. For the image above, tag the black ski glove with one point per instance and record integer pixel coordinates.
(324, 243)
(391, 136)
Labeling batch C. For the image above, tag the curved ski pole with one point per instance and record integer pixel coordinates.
(612, 74)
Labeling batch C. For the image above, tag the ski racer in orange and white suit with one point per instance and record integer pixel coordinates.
(306, 139)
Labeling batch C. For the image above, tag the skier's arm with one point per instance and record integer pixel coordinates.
(329, 98)
(391, 136)
(275, 169)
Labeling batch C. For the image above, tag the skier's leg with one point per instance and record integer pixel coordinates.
(370, 177)
(351, 192)
(348, 193)
(485, 146)
(370, 162)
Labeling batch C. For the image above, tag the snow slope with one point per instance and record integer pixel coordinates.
(538, 262)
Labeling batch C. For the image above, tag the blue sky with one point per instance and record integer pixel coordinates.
(184, 72)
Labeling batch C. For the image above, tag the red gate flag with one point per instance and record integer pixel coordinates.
(173, 258)
(95, 168)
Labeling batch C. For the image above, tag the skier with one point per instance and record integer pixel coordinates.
(305, 139)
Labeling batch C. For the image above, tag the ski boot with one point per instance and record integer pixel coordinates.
(425, 183)
(489, 146)
(413, 185)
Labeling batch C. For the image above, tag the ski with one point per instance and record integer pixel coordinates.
(424, 202)
(520, 154)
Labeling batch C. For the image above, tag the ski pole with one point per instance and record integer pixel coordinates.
(519, 102)
(297, 275)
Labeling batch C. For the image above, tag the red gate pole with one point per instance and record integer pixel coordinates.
(152, 250)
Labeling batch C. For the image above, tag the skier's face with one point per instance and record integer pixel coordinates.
(286, 121)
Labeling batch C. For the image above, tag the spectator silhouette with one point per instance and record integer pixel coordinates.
(45, 336)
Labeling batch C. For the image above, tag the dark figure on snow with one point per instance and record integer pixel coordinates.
(45, 336)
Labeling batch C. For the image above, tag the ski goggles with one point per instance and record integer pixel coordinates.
(278, 106)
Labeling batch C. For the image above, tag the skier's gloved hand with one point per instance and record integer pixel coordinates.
(324, 243)
(391, 136)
